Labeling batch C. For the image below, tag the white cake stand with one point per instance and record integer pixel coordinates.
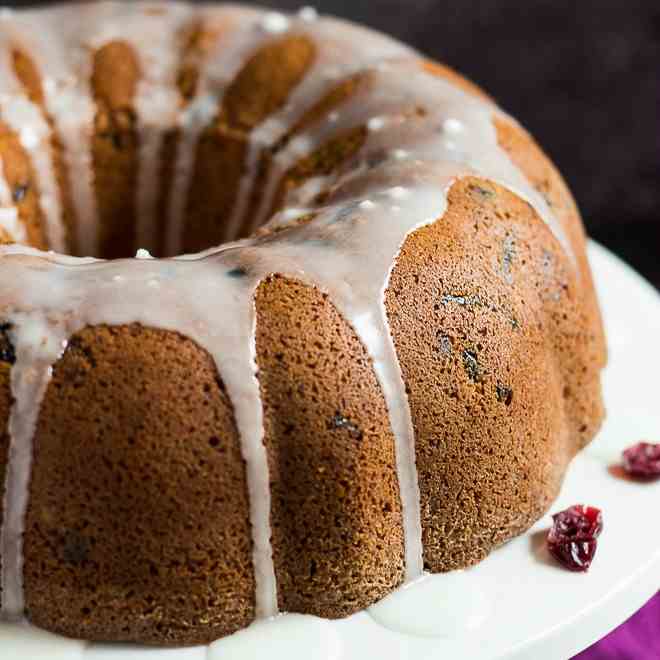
(518, 604)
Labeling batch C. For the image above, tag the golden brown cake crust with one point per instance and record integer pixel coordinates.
(138, 523)
(480, 304)
(337, 543)
(582, 362)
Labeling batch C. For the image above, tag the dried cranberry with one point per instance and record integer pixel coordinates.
(572, 537)
(642, 460)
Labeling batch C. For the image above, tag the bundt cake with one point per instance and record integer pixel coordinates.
(383, 369)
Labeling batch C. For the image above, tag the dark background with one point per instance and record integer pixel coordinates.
(582, 75)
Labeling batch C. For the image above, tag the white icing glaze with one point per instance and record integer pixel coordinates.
(340, 48)
(157, 104)
(275, 22)
(451, 125)
(308, 13)
(376, 123)
(64, 64)
(236, 29)
(445, 606)
(37, 347)
(441, 605)
(10, 223)
(289, 636)
(157, 100)
(397, 183)
(23, 641)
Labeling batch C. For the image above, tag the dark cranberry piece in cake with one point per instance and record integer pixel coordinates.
(572, 537)
(7, 351)
(642, 460)
(20, 193)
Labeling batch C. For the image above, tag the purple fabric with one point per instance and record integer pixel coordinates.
(636, 639)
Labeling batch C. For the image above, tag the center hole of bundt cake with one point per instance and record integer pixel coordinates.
(169, 186)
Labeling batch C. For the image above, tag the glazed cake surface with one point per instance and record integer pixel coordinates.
(366, 346)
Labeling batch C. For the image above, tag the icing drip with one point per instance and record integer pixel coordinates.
(236, 40)
(237, 363)
(338, 51)
(308, 14)
(441, 605)
(422, 134)
(290, 637)
(274, 22)
(37, 348)
(65, 68)
(157, 99)
(26, 120)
